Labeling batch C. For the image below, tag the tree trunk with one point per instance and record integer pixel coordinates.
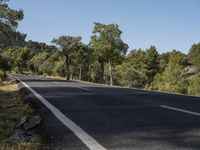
(110, 71)
(67, 68)
(80, 73)
(101, 72)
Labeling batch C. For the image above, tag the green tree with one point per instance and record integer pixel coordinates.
(9, 19)
(128, 76)
(79, 62)
(5, 65)
(70, 47)
(163, 61)
(108, 45)
(172, 79)
(38, 63)
(18, 57)
(194, 55)
(39, 47)
(151, 65)
(194, 85)
(178, 57)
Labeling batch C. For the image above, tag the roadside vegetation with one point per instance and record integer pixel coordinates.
(12, 110)
(104, 60)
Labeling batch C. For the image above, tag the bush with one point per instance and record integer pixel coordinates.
(172, 80)
(194, 86)
(2, 75)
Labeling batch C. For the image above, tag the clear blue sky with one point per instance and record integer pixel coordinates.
(167, 24)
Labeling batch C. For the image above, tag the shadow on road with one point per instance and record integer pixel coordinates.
(118, 117)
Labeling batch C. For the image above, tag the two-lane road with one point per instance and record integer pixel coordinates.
(91, 116)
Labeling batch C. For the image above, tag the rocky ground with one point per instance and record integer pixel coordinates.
(18, 121)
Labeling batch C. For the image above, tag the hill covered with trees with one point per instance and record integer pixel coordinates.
(104, 60)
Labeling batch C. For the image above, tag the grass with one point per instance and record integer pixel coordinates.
(12, 109)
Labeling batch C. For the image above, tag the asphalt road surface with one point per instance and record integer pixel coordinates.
(91, 116)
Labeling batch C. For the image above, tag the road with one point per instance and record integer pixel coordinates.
(91, 116)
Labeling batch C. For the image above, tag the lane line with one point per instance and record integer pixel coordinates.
(56, 82)
(180, 110)
(89, 141)
(82, 88)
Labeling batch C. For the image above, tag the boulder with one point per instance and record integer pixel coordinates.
(31, 123)
(19, 136)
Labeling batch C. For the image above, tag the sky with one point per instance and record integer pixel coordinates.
(167, 24)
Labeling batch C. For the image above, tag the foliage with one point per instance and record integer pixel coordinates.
(38, 63)
(151, 63)
(4, 66)
(194, 85)
(104, 60)
(172, 80)
(129, 76)
(2, 75)
(17, 57)
(72, 49)
(194, 55)
(9, 19)
(108, 45)
(178, 58)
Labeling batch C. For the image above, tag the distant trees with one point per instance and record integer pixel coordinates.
(9, 37)
(194, 55)
(18, 57)
(194, 85)
(73, 51)
(108, 46)
(139, 68)
(151, 64)
(103, 60)
(172, 78)
(132, 73)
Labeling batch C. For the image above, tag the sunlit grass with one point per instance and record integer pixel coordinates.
(12, 109)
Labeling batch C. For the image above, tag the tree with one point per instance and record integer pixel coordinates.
(129, 76)
(194, 55)
(5, 65)
(163, 61)
(9, 19)
(108, 45)
(39, 47)
(151, 65)
(80, 61)
(172, 79)
(18, 57)
(178, 57)
(38, 63)
(69, 46)
(194, 86)
(132, 72)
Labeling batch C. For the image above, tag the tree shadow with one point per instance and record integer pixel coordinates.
(119, 117)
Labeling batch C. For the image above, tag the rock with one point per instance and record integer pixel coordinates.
(23, 121)
(32, 122)
(7, 106)
(190, 70)
(19, 136)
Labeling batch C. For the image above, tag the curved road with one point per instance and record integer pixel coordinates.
(91, 116)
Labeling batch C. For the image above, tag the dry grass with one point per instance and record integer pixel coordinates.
(12, 109)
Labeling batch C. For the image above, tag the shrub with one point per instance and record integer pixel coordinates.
(2, 75)
(194, 85)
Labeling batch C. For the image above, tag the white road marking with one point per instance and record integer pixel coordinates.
(86, 89)
(56, 82)
(180, 110)
(89, 141)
